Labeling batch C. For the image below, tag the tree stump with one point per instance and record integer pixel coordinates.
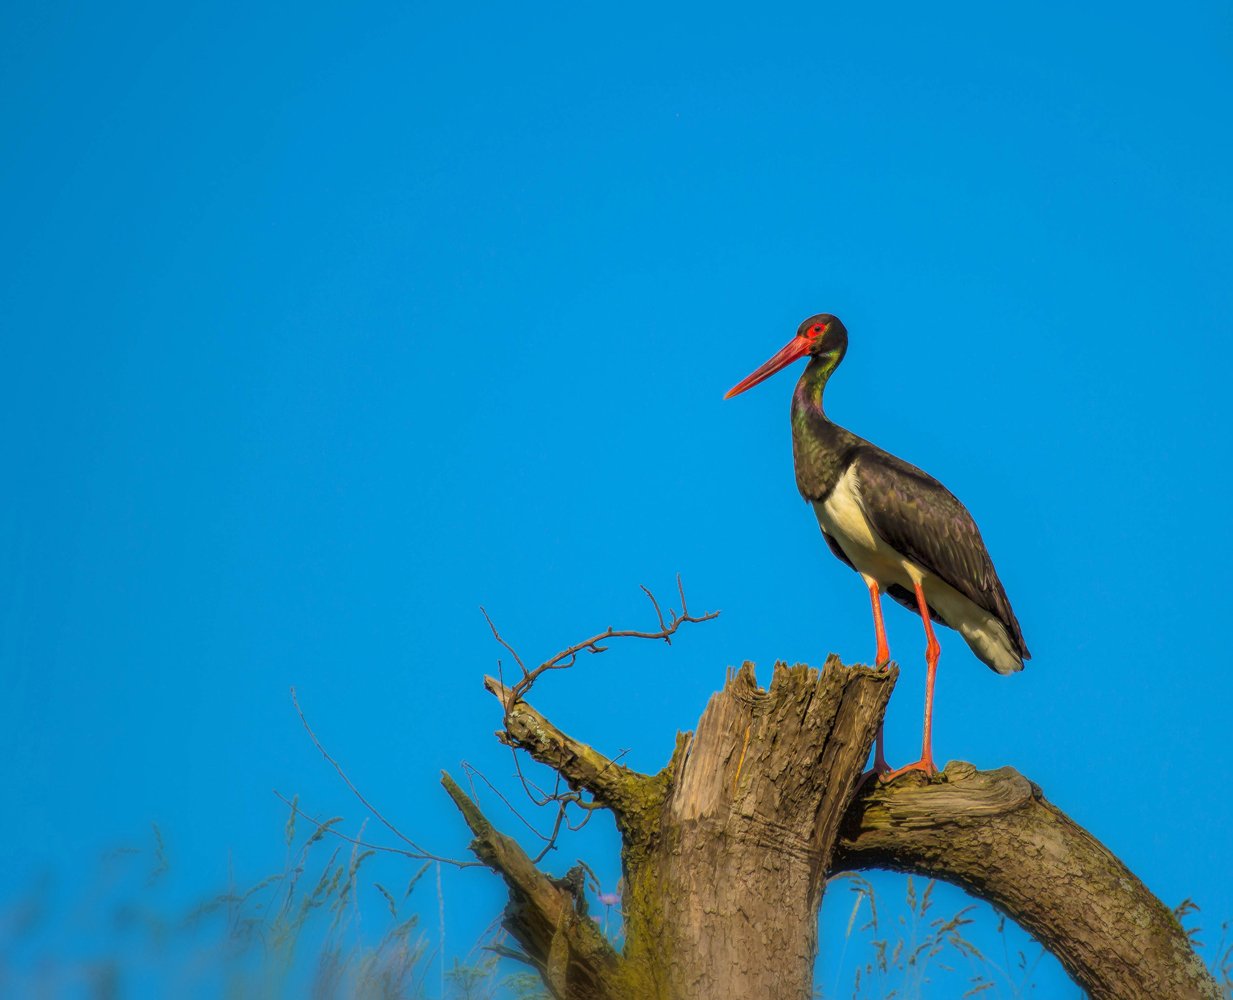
(727, 850)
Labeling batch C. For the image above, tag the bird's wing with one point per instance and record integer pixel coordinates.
(921, 519)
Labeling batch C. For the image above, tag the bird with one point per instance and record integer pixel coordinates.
(904, 532)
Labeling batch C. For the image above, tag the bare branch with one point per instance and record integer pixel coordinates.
(568, 657)
(417, 851)
(413, 855)
(471, 771)
(557, 940)
(658, 614)
(527, 783)
(552, 841)
(497, 635)
(613, 786)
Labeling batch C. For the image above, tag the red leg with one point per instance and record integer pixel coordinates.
(880, 766)
(875, 597)
(932, 652)
(882, 659)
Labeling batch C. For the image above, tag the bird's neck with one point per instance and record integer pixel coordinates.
(820, 448)
(812, 384)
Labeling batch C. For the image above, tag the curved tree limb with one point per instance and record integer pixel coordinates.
(624, 791)
(546, 916)
(994, 834)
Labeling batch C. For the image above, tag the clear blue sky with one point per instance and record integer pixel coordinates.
(323, 326)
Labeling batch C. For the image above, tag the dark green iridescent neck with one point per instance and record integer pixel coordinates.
(812, 383)
(821, 449)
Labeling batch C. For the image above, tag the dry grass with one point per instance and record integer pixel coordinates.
(302, 932)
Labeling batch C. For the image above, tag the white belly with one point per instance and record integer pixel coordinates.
(842, 516)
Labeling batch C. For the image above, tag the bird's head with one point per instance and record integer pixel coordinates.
(820, 336)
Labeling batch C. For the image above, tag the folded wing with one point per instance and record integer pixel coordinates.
(921, 519)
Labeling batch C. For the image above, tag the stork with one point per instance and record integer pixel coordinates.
(904, 532)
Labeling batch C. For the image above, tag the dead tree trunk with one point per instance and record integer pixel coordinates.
(726, 852)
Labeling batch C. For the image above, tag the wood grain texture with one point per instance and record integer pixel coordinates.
(994, 834)
(628, 794)
(749, 827)
(726, 851)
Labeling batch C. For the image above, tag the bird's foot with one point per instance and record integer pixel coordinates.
(925, 765)
(860, 783)
(880, 768)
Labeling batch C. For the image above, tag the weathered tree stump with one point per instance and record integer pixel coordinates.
(726, 852)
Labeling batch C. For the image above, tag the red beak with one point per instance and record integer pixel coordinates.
(796, 349)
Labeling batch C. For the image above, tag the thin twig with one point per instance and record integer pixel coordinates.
(527, 781)
(590, 807)
(552, 841)
(420, 852)
(475, 771)
(568, 657)
(497, 635)
(413, 855)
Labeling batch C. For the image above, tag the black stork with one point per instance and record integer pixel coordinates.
(904, 532)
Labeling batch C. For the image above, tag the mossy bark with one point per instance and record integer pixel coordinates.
(994, 834)
(726, 852)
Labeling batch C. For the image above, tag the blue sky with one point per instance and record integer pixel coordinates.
(323, 326)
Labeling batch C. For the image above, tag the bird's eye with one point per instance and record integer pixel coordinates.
(817, 329)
